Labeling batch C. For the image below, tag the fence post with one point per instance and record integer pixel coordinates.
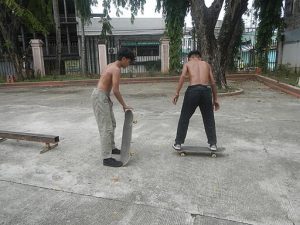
(102, 55)
(38, 57)
(279, 52)
(164, 53)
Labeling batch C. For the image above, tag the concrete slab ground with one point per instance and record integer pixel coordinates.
(256, 181)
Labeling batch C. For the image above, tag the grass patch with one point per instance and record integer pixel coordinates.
(2, 80)
(62, 78)
(284, 75)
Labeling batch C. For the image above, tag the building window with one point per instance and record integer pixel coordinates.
(142, 48)
(148, 50)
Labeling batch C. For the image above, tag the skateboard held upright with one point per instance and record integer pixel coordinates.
(126, 137)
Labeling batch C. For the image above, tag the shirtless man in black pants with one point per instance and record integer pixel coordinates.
(200, 93)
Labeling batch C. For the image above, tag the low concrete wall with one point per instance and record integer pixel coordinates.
(89, 82)
(294, 91)
(289, 89)
(274, 84)
(241, 76)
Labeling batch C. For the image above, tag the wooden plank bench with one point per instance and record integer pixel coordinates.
(47, 139)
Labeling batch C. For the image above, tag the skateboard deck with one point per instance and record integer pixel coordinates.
(126, 137)
(189, 150)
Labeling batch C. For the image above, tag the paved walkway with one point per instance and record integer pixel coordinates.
(256, 181)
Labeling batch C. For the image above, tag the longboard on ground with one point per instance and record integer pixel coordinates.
(189, 150)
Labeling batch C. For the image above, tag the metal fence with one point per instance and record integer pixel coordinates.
(150, 62)
(50, 49)
(6, 66)
(144, 64)
(247, 58)
(68, 66)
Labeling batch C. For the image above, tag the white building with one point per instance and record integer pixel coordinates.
(142, 36)
(289, 50)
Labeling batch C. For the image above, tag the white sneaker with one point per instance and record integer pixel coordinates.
(213, 147)
(177, 147)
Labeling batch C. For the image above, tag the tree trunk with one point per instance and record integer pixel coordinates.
(217, 51)
(230, 32)
(23, 40)
(205, 21)
(67, 28)
(83, 69)
(58, 36)
(17, 61)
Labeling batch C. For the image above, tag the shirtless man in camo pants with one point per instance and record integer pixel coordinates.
(102, 105)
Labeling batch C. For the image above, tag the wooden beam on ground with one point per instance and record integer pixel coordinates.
(47, 139)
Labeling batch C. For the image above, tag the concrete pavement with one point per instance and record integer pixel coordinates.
(256, 181)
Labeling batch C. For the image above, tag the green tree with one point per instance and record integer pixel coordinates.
(84, 11)
(269, 14)
(56, 18)
(174, 19)
(106, 26)
(13, 15)
(42, 11)
(216, 50)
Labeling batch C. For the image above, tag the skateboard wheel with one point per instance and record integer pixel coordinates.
(214, 155)
(182, 154)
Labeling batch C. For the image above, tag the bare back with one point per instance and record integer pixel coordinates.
(106, 79)
(199, 72)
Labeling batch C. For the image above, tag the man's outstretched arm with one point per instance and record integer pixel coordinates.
(214, 91)
(116, 91)
(180, 83)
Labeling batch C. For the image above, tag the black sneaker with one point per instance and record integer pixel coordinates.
(116, 151)
(112, 162)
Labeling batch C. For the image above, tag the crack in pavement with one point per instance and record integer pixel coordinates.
(193, 215)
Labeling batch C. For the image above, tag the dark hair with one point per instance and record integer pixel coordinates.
(195, 52)
(127, 53)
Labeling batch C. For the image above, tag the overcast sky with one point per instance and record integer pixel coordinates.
(149, 11)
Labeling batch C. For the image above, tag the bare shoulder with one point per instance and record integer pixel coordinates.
(113, 68)
(205, 63)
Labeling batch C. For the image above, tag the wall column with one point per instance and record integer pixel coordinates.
(38, 57)
(279, 52)
(165, 54)
(102, 56)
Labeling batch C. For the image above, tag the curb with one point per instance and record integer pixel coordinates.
(87, 82)
(241, 76)
(291, 90)
(49, 83)
(237, 92)
(274, 84)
